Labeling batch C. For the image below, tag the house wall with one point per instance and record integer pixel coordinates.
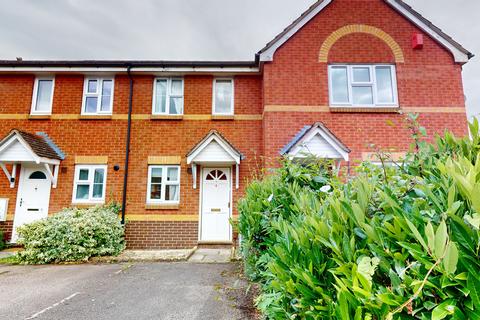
(269, 110)
(147, 227)
(296, 82)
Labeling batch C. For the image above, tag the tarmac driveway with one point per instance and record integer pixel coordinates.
(121, 291)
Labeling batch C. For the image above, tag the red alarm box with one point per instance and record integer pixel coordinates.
(417, 41)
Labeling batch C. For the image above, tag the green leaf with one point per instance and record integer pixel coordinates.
(441, 237)
(451, 258)
(430, 233)
(417, 234)
(473, 284)
(442, 310)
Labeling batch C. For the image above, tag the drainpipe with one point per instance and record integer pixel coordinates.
(127, 147)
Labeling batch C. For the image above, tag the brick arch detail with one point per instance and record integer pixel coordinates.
(360, 28)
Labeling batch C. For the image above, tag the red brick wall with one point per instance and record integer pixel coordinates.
(428, 78)
(161, 235)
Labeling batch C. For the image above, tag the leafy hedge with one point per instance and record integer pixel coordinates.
(391, 243)
(2, 241)
(72, 235)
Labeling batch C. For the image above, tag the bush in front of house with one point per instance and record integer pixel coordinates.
(2, 240)
(72, 235)
(391, 243)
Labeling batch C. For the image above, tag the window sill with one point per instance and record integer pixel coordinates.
(162, 206)
(365, 109)
(95, 117)
(166, 117)
(222, 117)
(86, 204)
(39, 116)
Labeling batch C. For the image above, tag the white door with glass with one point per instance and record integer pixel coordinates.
(33, 197)
(215, 220)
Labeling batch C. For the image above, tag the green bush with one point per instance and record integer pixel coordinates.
(72, 235)
(2, 240)
(391, 243)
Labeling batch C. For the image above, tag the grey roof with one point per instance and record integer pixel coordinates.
(124, 63)
(400, 2)
(298, 137)
(40, 146)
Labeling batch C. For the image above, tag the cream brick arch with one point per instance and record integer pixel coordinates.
(360, 28)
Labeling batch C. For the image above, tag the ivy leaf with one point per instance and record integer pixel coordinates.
(451, 258)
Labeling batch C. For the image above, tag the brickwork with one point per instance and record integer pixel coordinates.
(6, 227)
(161, 235)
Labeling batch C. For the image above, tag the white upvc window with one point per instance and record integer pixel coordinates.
(42, 98)
(223, 96)
(163, 184)
(362, 85)
(89, 184)
(168, 96)
(97, 96)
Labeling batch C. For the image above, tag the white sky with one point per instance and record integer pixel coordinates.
(190, 29)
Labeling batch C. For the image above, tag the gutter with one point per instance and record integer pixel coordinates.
(127, 144)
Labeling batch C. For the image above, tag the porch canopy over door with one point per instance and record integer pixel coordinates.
(214, 150)
(22, 147)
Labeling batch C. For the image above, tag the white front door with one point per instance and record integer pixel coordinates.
(215, 219)
(33, 197)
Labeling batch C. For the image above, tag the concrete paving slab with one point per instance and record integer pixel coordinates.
(205, 255)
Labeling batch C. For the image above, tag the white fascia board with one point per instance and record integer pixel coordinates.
(458, 55)
(267, 55)
(159, 70)
(224, 146)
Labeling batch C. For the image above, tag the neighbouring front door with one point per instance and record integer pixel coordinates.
(33, 197)
(215, 220)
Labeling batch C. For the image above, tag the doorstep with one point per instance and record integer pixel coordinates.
(147, 255)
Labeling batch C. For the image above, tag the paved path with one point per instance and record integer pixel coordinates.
(119, 291)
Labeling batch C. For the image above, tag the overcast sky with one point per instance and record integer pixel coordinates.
(190, 29)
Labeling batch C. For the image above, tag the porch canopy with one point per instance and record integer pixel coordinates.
(318, 141)
(212, 150)
(22, 147)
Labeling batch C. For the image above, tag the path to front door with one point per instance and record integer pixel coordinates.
(215, 205)
(33, 197)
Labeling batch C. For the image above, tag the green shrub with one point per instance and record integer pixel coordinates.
(2, 240)
(391, 243)
(72, 235)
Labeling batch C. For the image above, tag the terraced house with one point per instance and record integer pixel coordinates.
(176, 141)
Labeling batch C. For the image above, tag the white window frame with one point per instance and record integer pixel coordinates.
(97, 94)
(35, 96)
(372, 84)
(163, 185)
(169, 95)
(91, 175)
(232, 80)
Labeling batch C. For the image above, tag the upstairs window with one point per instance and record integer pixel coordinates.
(89, 184)
(223, 97)
(362, 85)
(42, 96)
(97, 96)
(168, 96)
(163, 184)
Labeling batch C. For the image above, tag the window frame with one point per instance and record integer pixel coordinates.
(90, 182)
(371, 84)
(232, 100)
(169, 95)
(97, 94)
(163, 184)
(33, 110)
